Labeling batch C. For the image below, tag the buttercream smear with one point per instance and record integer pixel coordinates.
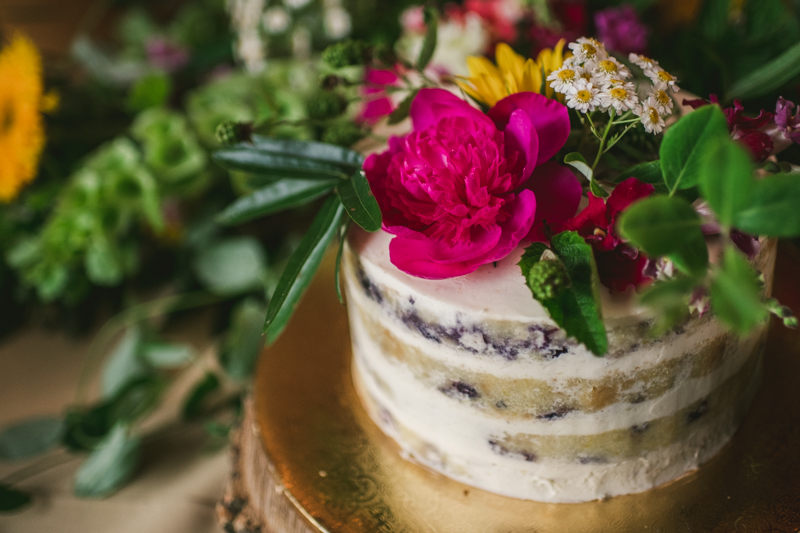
(473, 380)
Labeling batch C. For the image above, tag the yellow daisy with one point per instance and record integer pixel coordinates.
(489, 84)
(21, 125)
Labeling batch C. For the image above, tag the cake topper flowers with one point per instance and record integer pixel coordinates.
(504, 165)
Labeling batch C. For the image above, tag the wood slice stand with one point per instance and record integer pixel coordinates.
(307, 459)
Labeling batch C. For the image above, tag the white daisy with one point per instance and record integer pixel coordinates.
(662, 79)
(643, 62)
(583, 96)
(588, 51)
(611, 68)
(619, 95)
(661, 100)
(652, 120)
(564, 77)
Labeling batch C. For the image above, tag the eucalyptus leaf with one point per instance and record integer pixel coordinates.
(359, 202)
(431, 36)
(30, 437)
(727, 179)
(12, 499)
(578, 162)
(769, 77)
(193, 405)
(337, 271)
(167, 355)
(231, 266)
(667, 226)
(400, 113)
(256, 161)
(736, 293)
(772, 207)
(243, 340)
(302, 266)
(123, 364)
(110, 466)
(597, 190)
(686, 144)
(275, 197)
(314, 151)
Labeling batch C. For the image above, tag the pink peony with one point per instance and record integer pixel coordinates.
(377, 102)
(452, 191)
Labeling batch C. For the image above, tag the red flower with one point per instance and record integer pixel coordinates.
(743, 129)
(618, 264)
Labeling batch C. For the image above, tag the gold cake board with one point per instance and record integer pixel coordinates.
(308, 459)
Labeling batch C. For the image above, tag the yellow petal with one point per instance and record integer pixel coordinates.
(509, 61)
(531, 77)
(558, 55)
(469, 89)
(512, 87)
(491, 88)
(480, 65)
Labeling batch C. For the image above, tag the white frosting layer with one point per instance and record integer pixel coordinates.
(454, 434)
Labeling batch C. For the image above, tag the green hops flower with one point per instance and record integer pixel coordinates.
(234, 132)
(547, 278)
(326, 104)
(345, 134)
(345, 54)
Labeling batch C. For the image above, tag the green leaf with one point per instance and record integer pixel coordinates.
(151, 90)
(359, 202)
(167, 355)
(243, 342)
(727, 179)
(102, 265)
(139, 397)
(713, 19)
(275, 197)
(431, 36)
(110, 466)
(30, 437)
(302, 266)
(231, 266)
(649, 172)
(667, 226)
(12, 499)
(772, 207)
(771, 76)
(576, 308)
(736, 293)
(400, 113)
(686, 144)
(337, 271)
(123, 364)
(256, 161)
(314, 151)
(578, 162)
(670, 299)
(531, 256)
(193, 405)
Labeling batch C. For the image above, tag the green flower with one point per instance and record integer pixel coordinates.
(346, 54)
(547, 278)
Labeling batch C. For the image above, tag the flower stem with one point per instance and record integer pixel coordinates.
(601, 148)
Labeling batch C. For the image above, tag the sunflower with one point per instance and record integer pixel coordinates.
(21, 125)
(488, 83)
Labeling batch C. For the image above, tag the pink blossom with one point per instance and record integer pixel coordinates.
(165, 55)
(620, 29)
(499, 16)
(377, 102)
(454, 190)
(787, 121)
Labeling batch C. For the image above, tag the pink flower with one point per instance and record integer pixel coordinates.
(377, 103)
(620, 29)
(452, 190)
(499, 16)
(744, 129)
(787, 121)
(618, 264)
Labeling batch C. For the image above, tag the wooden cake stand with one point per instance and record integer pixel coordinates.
(307, 458)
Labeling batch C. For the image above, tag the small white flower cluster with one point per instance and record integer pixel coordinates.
(591, 79)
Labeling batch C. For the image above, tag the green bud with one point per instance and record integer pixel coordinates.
(326, 104)
(547, 278)
(234, 132)
(345, 134)
(345, 54)
(790, 322)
